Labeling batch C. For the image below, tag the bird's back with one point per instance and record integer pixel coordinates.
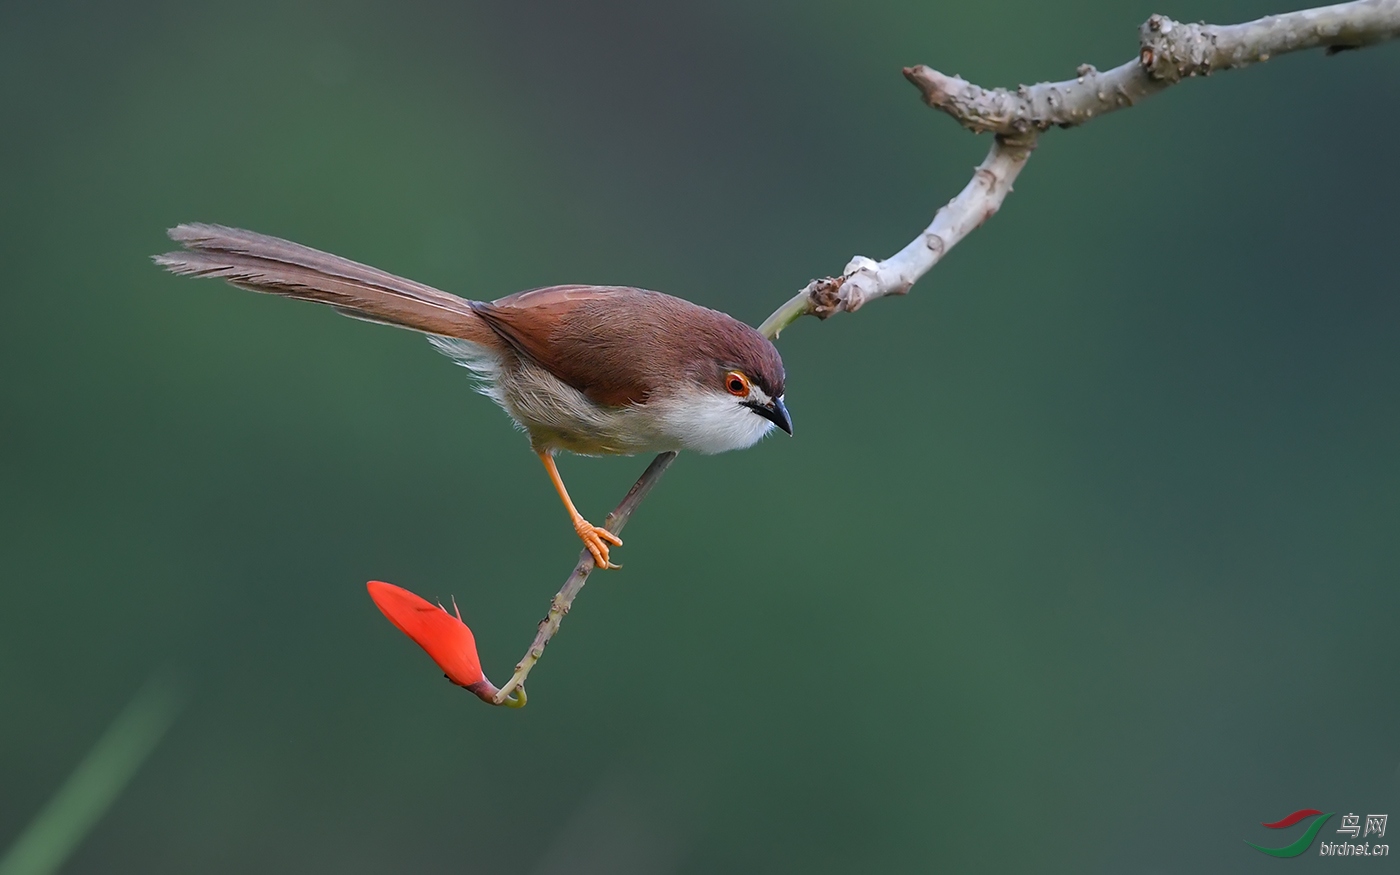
(620, 345)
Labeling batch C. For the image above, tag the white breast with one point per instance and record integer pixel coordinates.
(559, 417)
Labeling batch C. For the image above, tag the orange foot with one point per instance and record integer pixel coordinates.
(596, 539)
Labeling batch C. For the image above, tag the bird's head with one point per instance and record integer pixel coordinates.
(735, 394)
(759, 395)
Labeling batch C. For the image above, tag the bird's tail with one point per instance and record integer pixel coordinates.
(261, 263)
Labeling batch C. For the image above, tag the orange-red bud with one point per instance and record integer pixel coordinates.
(444, 637)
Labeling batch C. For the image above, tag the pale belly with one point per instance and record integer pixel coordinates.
(559, 417)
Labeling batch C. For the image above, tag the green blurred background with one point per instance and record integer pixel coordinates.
(1083, 558)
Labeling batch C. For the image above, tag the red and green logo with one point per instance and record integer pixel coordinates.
(1304, 841)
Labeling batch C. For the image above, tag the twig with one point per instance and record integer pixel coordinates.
(864, 279)
(1169, 52)
(565, 597)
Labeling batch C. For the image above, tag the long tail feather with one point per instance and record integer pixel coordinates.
(261, 263)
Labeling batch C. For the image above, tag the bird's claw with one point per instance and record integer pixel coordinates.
(596, 539)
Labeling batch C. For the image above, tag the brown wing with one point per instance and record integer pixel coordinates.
(612, 343)
(261, 263)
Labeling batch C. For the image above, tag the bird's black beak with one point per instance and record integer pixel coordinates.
(775, 412)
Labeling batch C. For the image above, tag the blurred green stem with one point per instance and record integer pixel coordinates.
(798, 305)
(62, 824)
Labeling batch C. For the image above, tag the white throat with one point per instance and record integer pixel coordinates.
(711, 422)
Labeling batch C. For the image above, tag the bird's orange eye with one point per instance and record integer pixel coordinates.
(737, 384)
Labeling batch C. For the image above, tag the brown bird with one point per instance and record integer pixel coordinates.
(594, 370)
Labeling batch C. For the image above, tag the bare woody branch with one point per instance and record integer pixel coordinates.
(564, 599)
(864, 279)
(1169, 52)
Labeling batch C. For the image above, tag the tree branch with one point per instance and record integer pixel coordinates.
(864, 279)
(1169, 52)
(564, 599)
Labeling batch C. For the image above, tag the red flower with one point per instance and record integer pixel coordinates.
(444, 637)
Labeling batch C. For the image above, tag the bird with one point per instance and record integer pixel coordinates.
(591, 370)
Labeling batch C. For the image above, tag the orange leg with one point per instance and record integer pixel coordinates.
(595, 538)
